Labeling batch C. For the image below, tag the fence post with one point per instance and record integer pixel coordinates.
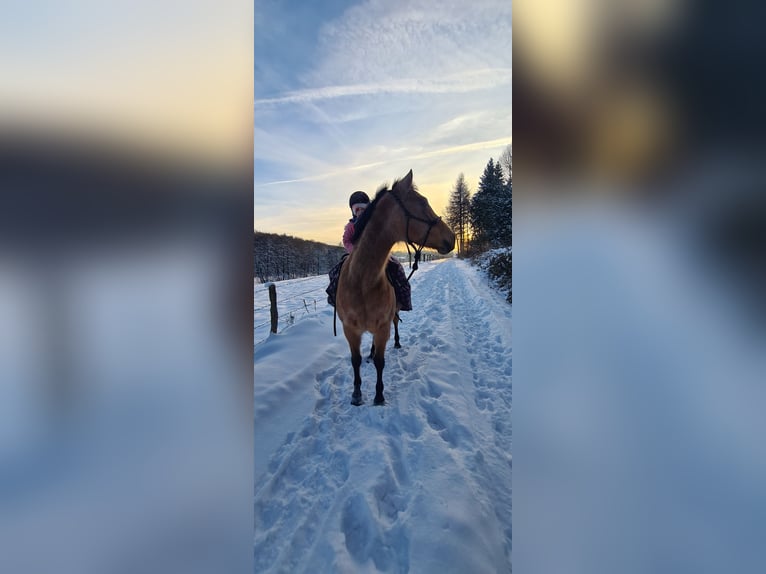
(273, 300)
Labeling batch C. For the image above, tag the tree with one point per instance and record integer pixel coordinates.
(482, 216)
(491, 209)
(506, 161)
(503, 205)
(458, 212)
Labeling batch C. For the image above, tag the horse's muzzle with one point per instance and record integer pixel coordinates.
(446, 246)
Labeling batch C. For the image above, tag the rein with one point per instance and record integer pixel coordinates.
(429, 222)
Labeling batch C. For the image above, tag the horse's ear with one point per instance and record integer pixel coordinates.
(406, 182)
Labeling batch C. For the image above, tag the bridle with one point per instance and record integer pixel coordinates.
(409, 215)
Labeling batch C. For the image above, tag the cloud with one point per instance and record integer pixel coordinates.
(384, 40)
(405, 47)
(469, 81)
(398, 157)
(493, 120)
(282, 149)
(464, 148)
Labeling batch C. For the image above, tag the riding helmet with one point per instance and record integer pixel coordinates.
(358, 197)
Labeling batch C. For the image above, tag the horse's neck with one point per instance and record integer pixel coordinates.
(372, 250)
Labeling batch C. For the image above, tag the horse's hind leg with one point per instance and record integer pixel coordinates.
(371, 356)
(380, 338)
(354, 343)
(396, 332)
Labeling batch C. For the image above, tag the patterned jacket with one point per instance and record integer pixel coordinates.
(348, 233)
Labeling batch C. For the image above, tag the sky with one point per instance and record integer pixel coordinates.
(352, 95)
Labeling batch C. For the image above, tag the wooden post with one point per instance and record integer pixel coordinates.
(273, 300)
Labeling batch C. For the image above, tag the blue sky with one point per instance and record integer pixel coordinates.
(351, 95)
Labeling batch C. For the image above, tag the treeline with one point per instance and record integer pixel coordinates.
(483, 220)
(280, 257)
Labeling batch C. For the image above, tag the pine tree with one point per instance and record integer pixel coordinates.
(458, 212)
(482, 208)
(491, 212)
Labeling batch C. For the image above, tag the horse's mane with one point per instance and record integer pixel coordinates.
(367, 214)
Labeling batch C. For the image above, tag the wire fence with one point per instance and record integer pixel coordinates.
(296, 300)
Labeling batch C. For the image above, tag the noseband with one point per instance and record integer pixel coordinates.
(409, 215)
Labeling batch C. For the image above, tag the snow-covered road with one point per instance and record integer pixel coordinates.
(422, 484)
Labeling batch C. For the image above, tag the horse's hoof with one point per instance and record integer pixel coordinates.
(397, 346)
(357, 401)
(379, 401)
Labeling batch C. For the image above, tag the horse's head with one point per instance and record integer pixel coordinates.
(420, 225)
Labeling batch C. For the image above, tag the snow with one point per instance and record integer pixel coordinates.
(422, 484)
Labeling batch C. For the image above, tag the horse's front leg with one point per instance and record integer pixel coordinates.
(380, 338)
(396, 332)
(356, 396)
(354, 343)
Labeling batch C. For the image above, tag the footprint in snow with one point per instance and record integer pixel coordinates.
(388, 499)
(445, 425)
(357, 527)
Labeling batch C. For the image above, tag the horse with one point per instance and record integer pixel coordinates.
(365, 299)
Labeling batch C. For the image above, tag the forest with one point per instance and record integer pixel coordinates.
(483, 222)
(280, 257)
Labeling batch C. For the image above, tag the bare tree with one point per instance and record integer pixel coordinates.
(458, 212)
(277, 257)
(506, 162)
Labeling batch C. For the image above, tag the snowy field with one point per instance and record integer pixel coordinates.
(422, 484)
(296, 299)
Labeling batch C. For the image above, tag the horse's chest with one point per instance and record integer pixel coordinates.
(372, 309)
(365, 304)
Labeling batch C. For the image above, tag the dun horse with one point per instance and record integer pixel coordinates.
(365, 300)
